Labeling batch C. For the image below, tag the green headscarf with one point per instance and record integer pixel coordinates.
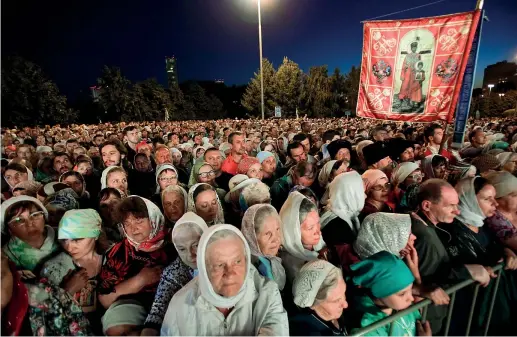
(383, 273)
(80, 224)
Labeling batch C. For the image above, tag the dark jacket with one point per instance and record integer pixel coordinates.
(338, 231)
(307, 323)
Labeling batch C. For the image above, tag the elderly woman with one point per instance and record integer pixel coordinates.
(185, 237)
(261, 228)
(504, 222)
(301, 234)
(268, 162)
(384, 285)
(434, 166)
(166, 175)
(508, 161)
(115, 177)
(256, 193)
(377, 189)
(340, 222)
(132, 268)
(227, 289)
(319, 291)
(76, 269)
(327, 173)
(469, 242)
(27, 246)
(204, 201)
(174, 201)
(402, 176)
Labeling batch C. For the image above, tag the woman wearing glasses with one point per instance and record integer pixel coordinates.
(132, 268)
(166, 175)
(377, 189)
(30, 242)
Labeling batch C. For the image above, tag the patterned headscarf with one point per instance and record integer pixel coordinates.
(80, 224)
(308, 281)
(383, 231)
(157, 235)
(65, 199)
(248, 230)
(219, 218)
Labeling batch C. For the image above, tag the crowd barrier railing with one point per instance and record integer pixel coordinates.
(426, 302)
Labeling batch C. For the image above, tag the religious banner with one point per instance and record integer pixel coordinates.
(412, 70)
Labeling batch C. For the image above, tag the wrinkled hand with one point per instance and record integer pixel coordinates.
(511, 262)
(424, 329)
(148, 276)
(438, 296)
(75, 280)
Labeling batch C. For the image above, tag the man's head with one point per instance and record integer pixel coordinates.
(304, 140)
(71, 144)
(132, 134)
(414, 47)
(62, 163)
(214, 157)
(163, 155)
(376, 156)
(433, 134)
(98, 140)
(477, 137)
(296, 152)
(306, 127)
(379, 133)
(237, 141)
(438, 200)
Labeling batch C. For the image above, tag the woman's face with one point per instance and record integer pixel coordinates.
(511, 165)
(110, 156)
(226, 265)
(407, 155)
(270, 237)
(255, 171)
(380, 191)
(269, 165)
(486, 200)
(137, 229)
(414, 178)
(78, 151)
(13, 177)
(200, 153)
(335, 302)
(75, 183)
(310, 229)
(176, 158)
(142, 163)
(28, 225)
(206, 205)
(78, 248)
(145, 150)
(173, 205)
(206, 175)
(186, 241)
(85, 169)
(508, 202)
(400, 300)
(167, 178)
(118, 180)
(439, 171)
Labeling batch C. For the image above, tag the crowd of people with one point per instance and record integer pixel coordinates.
(251, 227)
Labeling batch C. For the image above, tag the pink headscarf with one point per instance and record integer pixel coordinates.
(373, 177)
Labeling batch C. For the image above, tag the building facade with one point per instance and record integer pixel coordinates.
(502, 75)
(172, 71)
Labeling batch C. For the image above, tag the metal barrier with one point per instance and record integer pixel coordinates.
(425, 303)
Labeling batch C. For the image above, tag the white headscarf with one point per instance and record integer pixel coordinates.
(324, 175)
(470, 212)
(104, 176)
(291, 229)
(308, 282)
(347, 197)
(207, 291)
(402, 171)
(219, 218)
(248, 230)
(14, 200)
(383, 231)
(187, 218)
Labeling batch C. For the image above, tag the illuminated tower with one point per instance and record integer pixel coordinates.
(172, 71)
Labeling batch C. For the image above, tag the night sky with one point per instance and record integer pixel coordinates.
(212, 39)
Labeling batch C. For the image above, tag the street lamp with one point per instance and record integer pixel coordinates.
(261, 72)
(490, 86)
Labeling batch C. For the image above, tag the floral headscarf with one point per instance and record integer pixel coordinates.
(248, 230)
(80, 224)
(157, 235)
(219, 218)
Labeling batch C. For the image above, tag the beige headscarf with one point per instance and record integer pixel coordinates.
(191, 205)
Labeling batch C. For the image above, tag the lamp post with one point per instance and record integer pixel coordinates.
(261, 72)
(490, 86)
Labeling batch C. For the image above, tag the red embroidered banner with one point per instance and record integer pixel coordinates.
(412, 70)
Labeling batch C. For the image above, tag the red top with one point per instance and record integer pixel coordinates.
(446, 153)
(230, 166)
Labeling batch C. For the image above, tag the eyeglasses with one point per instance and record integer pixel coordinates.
(168, 179)
(385, 187)
(206, 174)
(19, 221)
(416, 176)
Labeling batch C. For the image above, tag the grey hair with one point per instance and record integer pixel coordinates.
(328, 285)
(306, 206)
(256, 193)
(261, 215)
(189, 226)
